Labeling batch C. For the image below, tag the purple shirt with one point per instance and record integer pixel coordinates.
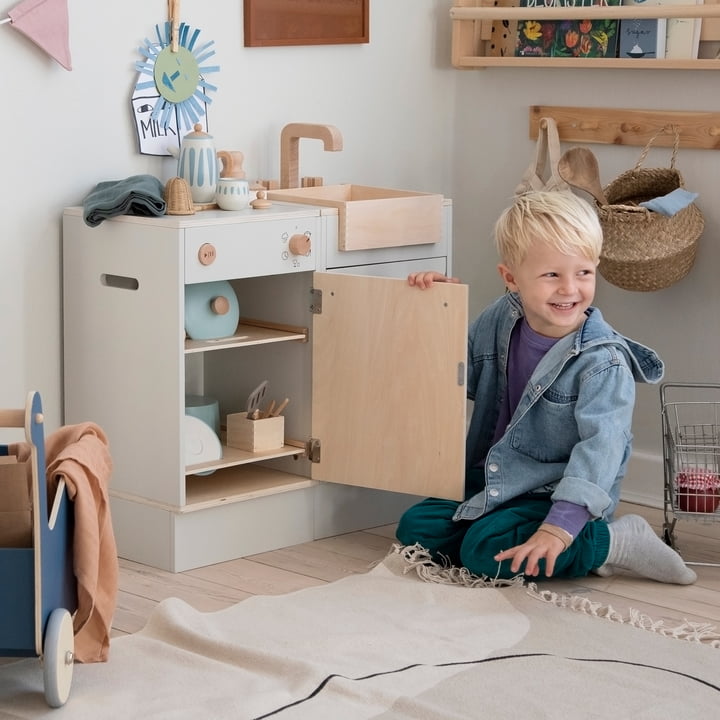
(526, 350)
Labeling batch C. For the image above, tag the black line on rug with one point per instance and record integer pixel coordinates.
(325, 682)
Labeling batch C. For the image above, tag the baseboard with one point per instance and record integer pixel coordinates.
(644, 483)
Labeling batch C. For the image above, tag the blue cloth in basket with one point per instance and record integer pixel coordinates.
(671, 203)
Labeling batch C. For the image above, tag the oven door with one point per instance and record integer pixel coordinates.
(389, 384)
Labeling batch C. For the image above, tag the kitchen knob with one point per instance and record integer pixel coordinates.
(220, 305)
(207, 254)
(299, 244)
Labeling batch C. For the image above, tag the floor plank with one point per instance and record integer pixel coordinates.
(316, 561)
(255, 578)
(329, 559)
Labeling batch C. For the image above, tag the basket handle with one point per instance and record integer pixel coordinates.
(676, 145)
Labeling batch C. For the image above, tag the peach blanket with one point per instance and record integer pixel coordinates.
(80, 455)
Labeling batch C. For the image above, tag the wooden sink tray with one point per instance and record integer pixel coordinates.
(372, 217)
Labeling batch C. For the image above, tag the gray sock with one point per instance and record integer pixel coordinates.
(635, 547)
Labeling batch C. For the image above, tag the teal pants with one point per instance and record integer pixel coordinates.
(474, 543)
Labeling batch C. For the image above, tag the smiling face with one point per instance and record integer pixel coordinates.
(555, 288)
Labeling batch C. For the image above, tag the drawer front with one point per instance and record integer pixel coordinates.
(255, 249)
(336, 258)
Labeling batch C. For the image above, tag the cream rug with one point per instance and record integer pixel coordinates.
(397, 643)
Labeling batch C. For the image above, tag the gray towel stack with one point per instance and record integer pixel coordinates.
(135, 195)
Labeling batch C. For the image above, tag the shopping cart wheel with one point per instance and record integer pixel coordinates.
(58, 657)
(668, 537)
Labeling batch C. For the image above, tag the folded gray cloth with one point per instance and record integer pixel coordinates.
(135, 195)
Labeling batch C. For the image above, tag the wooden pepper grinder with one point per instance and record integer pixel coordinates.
(232, 164)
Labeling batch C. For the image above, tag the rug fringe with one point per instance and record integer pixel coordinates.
(704, 633)
(419, 560)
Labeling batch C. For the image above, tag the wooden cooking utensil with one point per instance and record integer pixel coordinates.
(254, 400)
(579, 167)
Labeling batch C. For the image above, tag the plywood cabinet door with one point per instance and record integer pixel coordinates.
(389, 384)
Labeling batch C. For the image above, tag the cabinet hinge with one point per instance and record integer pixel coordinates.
(316, 301)
(312, 450)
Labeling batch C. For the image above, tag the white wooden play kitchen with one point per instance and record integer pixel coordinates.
(373, 372)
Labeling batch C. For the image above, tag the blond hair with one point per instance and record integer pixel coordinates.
(561, 219)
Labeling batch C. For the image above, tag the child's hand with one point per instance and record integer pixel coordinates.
(540, 545)
(426, 278)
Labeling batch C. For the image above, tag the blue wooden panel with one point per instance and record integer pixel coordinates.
(17, 602)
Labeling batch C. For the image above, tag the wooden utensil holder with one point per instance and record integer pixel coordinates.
(255, 435)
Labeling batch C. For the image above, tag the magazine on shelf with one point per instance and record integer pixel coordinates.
(642, 37)
(682, 35)
(567, 38)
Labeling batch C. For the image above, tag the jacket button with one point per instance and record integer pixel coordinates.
(494, 493)
(493, 467)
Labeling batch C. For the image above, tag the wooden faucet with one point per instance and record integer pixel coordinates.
(290, 148)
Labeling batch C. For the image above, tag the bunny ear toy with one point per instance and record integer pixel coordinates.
(45, 22)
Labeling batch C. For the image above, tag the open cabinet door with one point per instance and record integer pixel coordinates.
(389, 380)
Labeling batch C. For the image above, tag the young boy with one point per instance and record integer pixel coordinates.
(553, 387)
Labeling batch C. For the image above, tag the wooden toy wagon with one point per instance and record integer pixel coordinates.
(37, 587)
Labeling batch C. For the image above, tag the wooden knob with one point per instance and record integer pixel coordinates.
(207, 254)
(220, 305)
(299, 245)
(260, 202)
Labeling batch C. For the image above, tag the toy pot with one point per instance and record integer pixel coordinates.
(198, 164)
(232, 193)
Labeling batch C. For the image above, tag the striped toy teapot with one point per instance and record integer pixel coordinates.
(198, 164)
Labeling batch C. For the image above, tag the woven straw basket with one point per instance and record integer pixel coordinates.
(178, 200)
(645, 250)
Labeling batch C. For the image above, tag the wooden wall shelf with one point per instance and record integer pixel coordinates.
(615, 126)
(481, 36)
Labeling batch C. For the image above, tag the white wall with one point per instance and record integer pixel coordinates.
(492, 151)
(64, 132)
(408, 120)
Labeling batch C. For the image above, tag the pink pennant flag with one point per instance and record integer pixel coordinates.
(45, 22)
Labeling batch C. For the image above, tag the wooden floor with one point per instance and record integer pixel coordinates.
(322, 561)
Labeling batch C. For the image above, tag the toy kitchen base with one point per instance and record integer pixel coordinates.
(376, 417)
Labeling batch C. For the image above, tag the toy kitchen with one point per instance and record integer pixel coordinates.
(356, 380)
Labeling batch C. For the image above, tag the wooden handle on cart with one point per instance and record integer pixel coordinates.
(12, 418)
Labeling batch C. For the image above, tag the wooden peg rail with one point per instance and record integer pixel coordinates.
(613, 126)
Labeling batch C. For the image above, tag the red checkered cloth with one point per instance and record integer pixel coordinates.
(698, 480)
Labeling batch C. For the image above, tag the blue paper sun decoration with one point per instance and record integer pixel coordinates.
(177, 76)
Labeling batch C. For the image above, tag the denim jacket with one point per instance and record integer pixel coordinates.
(570, 435)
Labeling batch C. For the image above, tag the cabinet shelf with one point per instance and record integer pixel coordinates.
(479, 39)
(234, 456)
(238, 484)
(249, 332)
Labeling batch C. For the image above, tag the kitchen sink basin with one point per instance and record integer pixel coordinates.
(372, 217)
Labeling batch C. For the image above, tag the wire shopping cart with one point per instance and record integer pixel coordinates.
(691, 450)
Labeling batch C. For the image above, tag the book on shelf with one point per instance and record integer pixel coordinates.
(642, 37)
(682, 35)
(567, 38)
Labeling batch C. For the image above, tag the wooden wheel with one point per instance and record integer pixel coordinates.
(58, 657)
